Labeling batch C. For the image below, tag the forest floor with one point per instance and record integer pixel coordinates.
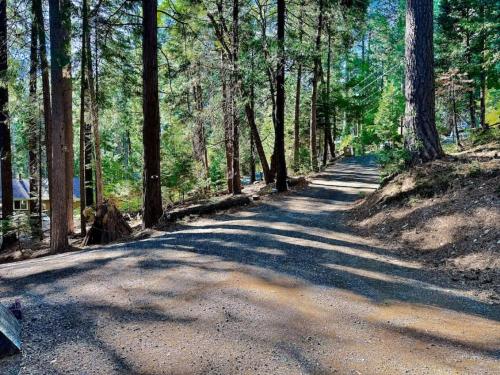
(283, 286)
(445, 214)
(28, 248)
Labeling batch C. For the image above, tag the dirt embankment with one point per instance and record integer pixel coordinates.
(445, 214)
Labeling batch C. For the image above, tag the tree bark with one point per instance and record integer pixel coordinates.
(279, 131)
(298, 87)
(271, 78)
(252, 158)
(92, 87)
(296, 123)
(47, 107)
(235, 88)
(482, 75)
(419, 90)
(67, 88)
(199, 141)
(35, 205)
(83, 89)
(250, 112)
(109, 225)
(455, 122)
(314, 96)
(269, 70)
(227, 126)
(152, 205)
(472, 104)
(329, 142)
(89, 177)
(472, 110)
(5, 141)
(59, 43)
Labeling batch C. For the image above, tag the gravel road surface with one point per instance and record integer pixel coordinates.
(280, 287)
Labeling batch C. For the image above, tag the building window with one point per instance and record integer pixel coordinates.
(20, 205)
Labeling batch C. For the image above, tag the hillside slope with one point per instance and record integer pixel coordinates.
(445, 214)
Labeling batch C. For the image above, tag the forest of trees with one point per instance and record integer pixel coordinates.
(149, 102)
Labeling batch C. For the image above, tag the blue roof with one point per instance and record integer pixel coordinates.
(21, 188)
(76, 187)
(18, 190)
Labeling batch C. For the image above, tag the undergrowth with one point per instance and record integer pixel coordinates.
(393, 161)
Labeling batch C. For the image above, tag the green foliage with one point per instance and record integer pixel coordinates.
(178, 165)
(365, 101)
(388, 117)
(217, 169)
(480, 136)
(346, 141)
(393, 160)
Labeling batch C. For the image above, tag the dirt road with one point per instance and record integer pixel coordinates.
(282, 287)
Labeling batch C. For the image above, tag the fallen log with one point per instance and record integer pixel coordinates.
(109, 225)
(207, 208)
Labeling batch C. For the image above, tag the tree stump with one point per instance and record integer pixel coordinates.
(109, 225)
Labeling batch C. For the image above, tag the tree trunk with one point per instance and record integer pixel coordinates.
(152, 205)
(252, 158)
(482, 76)
(235, 87)
(59, 40)
(328, 126)
(35, 205)
(296, 127)
(227, 127)
(94, 115)
(271, 81)
(331, 135)
(455, 122)
(472, 104)
(66, 82)
(279, 131)
(483, 101)
(314, 97)
(47, 109)
(298, 86)
(250, 112)
(472, 110)
(267, 59)
(5, 142)
(83, 89)
(199, 142)
(89, 177)
(419, 90)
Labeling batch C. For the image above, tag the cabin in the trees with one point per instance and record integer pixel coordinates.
(20, 193)
(21, 189)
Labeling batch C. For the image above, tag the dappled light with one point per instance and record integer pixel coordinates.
(231, 187)
(296, 291)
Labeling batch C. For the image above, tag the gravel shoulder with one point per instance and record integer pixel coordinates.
(281, 287)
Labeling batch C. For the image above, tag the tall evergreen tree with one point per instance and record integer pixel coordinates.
(419, 87)
(5, 140)
(280, 102)
(152, 206)
(60, 61)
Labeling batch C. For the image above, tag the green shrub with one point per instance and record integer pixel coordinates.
(393, 160)
(481, 136)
